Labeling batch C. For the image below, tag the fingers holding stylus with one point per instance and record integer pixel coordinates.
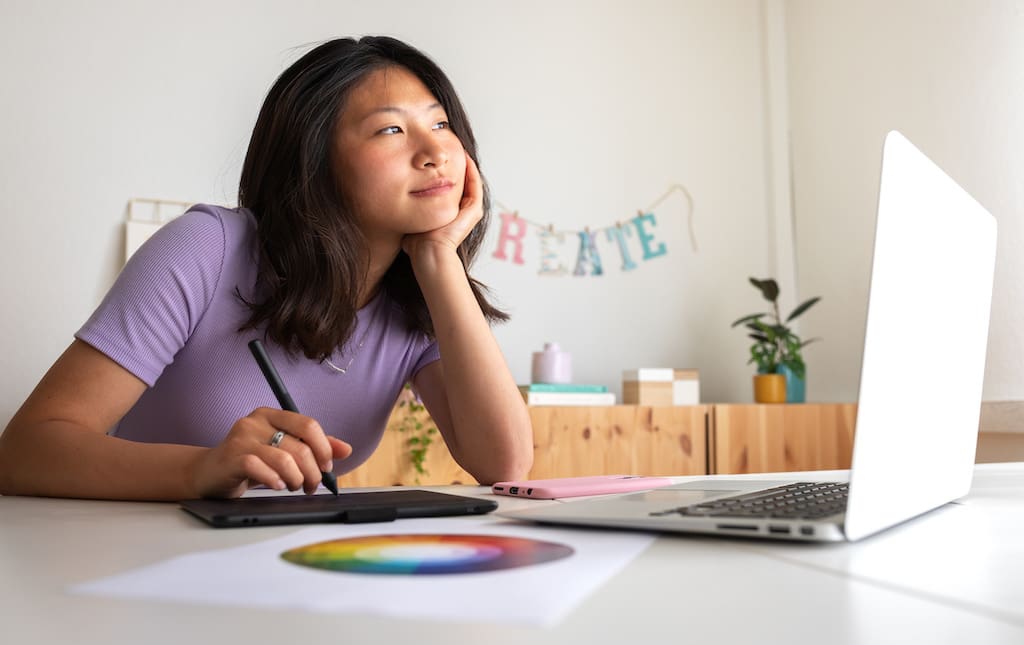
(310, 439)
(300, 453)
(276, 448)
(252, 471)
(295, 472)
(313, 442)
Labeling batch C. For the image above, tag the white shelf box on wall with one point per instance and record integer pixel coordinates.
(661, 386)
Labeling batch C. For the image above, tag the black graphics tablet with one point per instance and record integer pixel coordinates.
(349, 508)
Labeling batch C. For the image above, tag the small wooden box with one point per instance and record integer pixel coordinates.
(660, 386)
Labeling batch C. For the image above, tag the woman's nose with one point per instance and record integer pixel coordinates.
(431, 153)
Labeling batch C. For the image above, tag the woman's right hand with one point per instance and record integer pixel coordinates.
(245, 457)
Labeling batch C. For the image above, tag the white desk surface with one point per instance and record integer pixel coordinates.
(955, 575)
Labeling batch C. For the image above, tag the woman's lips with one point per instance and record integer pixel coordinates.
(437, 188)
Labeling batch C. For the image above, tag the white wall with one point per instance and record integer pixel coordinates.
(949, 75)
(585, 112)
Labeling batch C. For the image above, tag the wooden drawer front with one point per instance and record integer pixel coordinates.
(770, 438)
(619, 439)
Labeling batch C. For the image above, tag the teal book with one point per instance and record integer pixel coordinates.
(561, 387)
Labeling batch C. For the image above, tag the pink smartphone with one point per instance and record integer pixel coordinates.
(578, 486)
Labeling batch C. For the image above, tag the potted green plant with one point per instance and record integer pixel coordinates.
(413, 422)
(777, 350)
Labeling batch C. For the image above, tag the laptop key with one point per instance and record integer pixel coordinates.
(797, 501)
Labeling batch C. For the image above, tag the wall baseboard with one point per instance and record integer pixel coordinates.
(1001, 436)
(999, 447)
(1002, 417)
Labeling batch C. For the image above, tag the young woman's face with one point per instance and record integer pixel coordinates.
(395, 158)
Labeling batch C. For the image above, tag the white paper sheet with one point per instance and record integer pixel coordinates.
(540, 594)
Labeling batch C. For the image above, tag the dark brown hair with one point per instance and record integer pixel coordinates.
(313, 256)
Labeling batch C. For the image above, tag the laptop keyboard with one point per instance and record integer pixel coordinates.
(799, 501)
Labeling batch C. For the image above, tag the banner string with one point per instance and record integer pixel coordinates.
(673, 188)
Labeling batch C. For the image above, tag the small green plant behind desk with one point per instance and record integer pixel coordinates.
(411, 420)
(777, 350)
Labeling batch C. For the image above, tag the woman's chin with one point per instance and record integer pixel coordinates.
(434, 221)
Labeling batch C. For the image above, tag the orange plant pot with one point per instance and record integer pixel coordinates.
(769, 388)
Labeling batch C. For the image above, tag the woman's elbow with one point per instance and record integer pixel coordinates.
(514, 464)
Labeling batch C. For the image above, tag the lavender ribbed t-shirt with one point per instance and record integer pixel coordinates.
(171, 319)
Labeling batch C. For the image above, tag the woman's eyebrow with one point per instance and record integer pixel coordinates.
(398, 110)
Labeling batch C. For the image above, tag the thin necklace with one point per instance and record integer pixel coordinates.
(355, 352)
(342, 370)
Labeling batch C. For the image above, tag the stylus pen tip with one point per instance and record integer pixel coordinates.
(330, 481)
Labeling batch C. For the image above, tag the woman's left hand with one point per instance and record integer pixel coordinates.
(471, 210)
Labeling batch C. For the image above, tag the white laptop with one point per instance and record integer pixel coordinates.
(920, 386)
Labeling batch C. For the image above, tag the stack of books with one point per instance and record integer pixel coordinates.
(566, 394)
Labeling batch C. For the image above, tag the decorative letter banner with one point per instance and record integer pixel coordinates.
(633, 240)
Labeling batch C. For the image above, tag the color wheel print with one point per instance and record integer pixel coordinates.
(425, 554)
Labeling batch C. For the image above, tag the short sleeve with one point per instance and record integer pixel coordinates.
(430, 354)
(160, 296)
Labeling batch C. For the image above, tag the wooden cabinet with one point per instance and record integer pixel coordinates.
(770, 438)
(392, 465)
(619, 439)
(642, 440)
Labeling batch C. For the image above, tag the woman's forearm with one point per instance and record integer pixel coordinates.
(490, 423)
(62, 459)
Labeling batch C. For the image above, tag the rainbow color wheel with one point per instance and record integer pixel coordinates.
(425, 554)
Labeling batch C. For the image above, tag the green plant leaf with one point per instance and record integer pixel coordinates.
(745, 319)
(775, 344)
(416, 434)
(769, 288)
(807, 304)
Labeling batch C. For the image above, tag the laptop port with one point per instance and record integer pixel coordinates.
(514, 490)
(781, 530)
(736, 527)
(529, 491)
(806, 530)
(499, 488)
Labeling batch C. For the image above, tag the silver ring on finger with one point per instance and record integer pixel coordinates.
(276, 440)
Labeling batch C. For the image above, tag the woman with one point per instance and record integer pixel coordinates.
(360, 207)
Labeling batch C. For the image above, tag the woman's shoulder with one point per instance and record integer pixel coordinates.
(204, 232)
(166, 289)
(198, 246)
(212, 220)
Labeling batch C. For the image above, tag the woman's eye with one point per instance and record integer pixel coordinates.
(442, 125)
(391, 129)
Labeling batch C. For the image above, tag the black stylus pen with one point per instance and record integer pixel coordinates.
(285, 399)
